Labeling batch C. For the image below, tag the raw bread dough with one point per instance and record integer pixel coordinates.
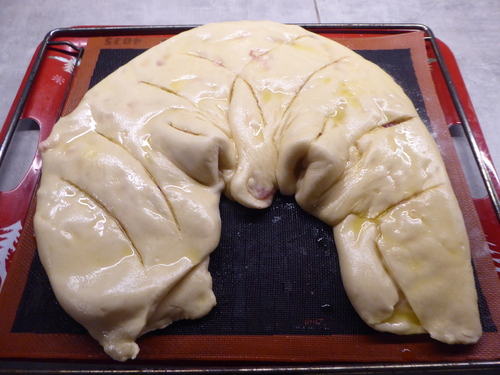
(127, 210)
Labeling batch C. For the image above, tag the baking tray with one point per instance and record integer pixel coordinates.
(40, 100)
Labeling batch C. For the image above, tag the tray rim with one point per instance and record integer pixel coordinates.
(344, 368)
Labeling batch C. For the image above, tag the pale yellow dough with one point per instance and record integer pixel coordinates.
(127, 210)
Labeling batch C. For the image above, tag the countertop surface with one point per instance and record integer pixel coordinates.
(469, 28)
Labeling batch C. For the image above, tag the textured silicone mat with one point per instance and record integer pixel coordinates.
(275, 272)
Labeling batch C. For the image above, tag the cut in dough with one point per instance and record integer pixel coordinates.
(127, 211)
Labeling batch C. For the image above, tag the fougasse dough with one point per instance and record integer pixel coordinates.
(127, 211)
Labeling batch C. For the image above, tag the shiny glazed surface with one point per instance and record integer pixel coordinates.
(127, 210)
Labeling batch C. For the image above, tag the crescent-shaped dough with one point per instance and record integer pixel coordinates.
(127, 210)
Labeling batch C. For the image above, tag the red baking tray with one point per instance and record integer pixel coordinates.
(46, 86)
